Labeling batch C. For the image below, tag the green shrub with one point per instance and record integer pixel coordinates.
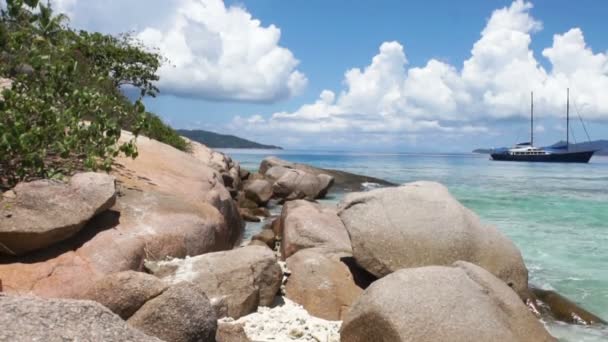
(65, 109)
(156, 129)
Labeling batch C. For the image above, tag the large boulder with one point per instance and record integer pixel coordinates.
(311, 225)
(343, 181)
(229, 170)
(295, 181)
(259, 191)
(180, 314)
(322, 285)
(125, 292)
(45, 212)
(276, 172)
(299, 184)
(57, 320)
(171, 205)
(269, 162)
(162, 168)
(420, 224)
(236, 281)
(439, 303)
(141, 225)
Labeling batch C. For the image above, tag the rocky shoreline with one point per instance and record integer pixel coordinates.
(154, 251)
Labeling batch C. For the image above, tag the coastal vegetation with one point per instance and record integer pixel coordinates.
(65, 106)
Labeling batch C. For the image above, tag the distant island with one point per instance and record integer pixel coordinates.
(216, 140)
(600, 145)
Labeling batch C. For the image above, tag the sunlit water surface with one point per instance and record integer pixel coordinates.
(557, 214)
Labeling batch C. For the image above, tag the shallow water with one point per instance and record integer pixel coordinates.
(557, 214)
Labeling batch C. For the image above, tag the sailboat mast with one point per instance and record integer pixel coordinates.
(568, 118)
(531, 118)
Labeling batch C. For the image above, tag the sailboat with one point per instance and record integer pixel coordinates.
(527, 152)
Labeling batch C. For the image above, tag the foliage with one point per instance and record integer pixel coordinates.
(155, 128)
(65, 109)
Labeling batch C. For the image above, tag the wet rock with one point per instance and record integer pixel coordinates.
(552, 304)
(343, 181)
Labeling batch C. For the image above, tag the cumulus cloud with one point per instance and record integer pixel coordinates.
(389, 97)
(64, 6)
(214, 52)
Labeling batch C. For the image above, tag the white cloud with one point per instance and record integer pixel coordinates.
(214, 52)
(64, 6)
(389, 98)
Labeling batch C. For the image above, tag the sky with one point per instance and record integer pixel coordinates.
(405, 76)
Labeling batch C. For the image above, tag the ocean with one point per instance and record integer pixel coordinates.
(557, 214)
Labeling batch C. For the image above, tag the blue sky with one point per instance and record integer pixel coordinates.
(282, 80)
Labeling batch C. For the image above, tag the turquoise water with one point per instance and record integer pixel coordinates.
(557, 214)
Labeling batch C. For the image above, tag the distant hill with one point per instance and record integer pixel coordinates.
(600, 145)
(483, 150)
(216, 140)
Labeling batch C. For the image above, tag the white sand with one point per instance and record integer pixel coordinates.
(288, 321)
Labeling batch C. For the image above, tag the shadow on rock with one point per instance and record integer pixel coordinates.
(362, 278)
(104, 221)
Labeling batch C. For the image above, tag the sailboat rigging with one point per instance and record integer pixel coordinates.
(526, 152)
